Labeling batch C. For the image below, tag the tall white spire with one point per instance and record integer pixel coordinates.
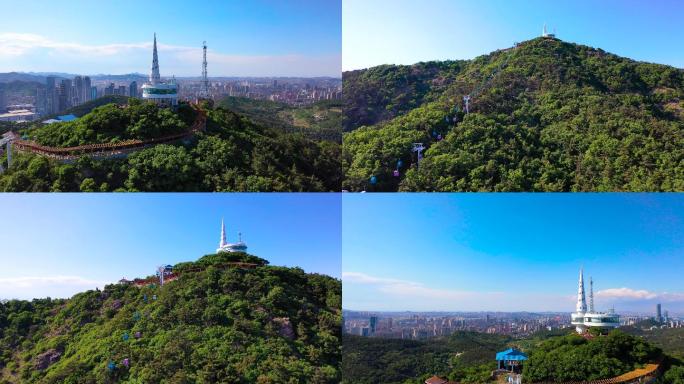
(154, 75)
(223, 235)
(591, 294)
(581, 302)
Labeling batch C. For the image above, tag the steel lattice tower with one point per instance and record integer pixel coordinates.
(204, 90)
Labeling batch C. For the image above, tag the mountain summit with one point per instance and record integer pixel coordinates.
(543, 115)
(226, 318)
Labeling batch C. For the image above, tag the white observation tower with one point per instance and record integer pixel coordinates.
(225, 246)
(585, 318)
(162, 93)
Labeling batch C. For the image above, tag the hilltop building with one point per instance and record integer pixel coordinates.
(585, 318)
(546, 34)
(225, 246)
(162, 93)
(511, 360)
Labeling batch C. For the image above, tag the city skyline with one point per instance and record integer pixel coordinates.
(407, 32)
(511, 252)
(256, 39)
(57, 245)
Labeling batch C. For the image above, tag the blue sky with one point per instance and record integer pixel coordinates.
(407, 31)
(59, 244)
(245, 38)
(511, 252)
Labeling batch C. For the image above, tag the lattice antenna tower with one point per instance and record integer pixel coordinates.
(204, 90)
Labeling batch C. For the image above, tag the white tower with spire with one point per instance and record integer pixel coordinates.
(225, 246)
(223, 235)
(155, 78)
(584, 318)
(581, 302)
(156, 90)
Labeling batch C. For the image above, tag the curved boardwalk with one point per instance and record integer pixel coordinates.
(107, 150)
(647, 374)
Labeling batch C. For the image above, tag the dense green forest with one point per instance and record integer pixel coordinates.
(320, 121)
(213, 324)
(468, 357)
(671, 340)
(574, 358)
(234, 154)
(545, 115)
(88, 106)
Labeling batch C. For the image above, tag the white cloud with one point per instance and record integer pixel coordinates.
(637, 294)
(410, 289)
(182, 60)
(28, 287)
(16, 44)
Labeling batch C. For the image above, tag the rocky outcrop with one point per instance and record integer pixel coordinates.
(285, 327)
(46, 359)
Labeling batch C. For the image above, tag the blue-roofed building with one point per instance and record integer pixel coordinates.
(511, 360)
(67, 118)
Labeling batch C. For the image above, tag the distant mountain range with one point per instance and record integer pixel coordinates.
(39, 77)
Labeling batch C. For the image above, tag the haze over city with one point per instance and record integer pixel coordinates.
(511, 252)
(260, 38)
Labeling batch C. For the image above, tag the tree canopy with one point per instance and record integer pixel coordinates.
(211, 325)
(234, 154)
(545, 116)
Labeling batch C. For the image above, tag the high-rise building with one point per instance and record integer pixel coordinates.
(3, 101)
(659, 317)
(93, 92)
(86, 93)
(109, 90)
(64, 94)
(123, 90)
(51, 100)
(41, 101)
(133, 89)
(373, 324)
(77, 94)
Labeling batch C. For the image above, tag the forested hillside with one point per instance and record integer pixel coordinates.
(319, 121)
(464, 356)
(545, 115)
(469, 357)
(215, 323)
(233, 154)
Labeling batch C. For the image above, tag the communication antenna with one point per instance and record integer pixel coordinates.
(591, 294)
(204, 88)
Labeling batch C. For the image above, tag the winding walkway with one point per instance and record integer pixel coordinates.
(108, 150)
